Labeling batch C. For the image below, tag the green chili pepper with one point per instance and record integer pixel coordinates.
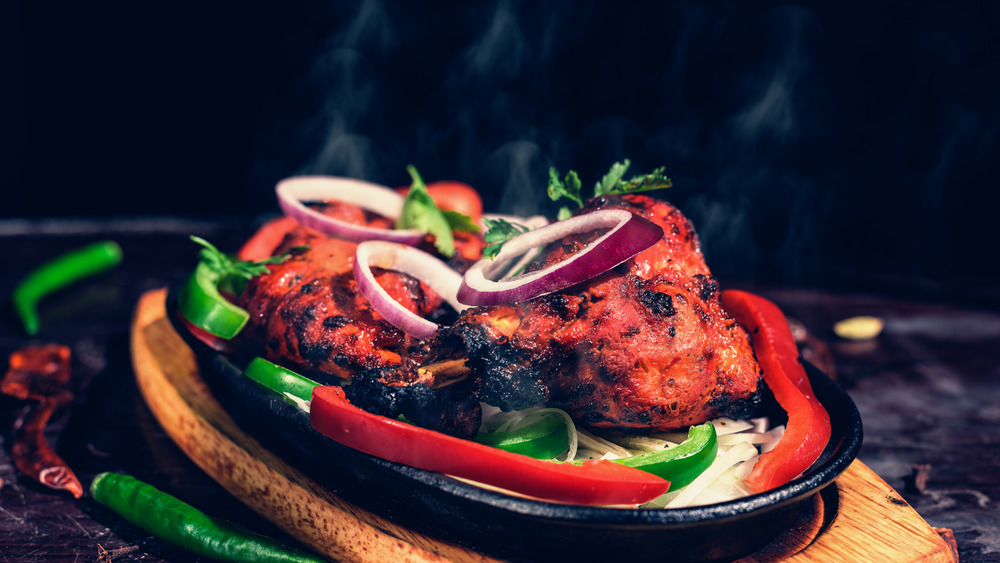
(60, 272)
(280, 380)
(544, 438)
(202, 305)
(682, 463)
(177, 522)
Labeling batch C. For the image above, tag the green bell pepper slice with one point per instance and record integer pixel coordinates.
(280, 380)
(201, 301)
(683, 463)
(545, 438)
(203, 306)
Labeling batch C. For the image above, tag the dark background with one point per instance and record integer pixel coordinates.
(840, 145)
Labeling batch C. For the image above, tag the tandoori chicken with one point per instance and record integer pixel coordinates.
(645, 345)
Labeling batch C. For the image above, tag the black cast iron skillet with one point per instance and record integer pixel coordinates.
(516, 528)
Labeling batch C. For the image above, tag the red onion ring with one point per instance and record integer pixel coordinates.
(533, 222)
(292, 192)
(408, 260)
(629, 235)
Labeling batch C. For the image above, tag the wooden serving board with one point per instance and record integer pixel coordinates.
(859, 518)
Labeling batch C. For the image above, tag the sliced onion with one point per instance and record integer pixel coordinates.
(292, 192)
(408, 260)
(532, 222)
(629, 235)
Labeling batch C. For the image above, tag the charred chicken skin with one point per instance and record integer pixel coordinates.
(644, 345)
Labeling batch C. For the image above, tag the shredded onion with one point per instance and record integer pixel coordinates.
(724, 462)
(408, 260)
(292, 192)
(629, 235)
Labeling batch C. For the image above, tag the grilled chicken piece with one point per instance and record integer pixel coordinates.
(313, 320)
(644, 345)
(308, 315)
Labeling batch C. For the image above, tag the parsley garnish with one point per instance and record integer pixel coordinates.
(611, 183)
(499, 231)
(569, 187)
(421, 213)
(234, 273)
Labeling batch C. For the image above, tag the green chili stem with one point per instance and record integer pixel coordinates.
(177, 522)
(58, 273)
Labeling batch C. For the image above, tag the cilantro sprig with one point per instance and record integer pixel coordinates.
(499, 231)
(233, 273)
(570, 187)
(612, 183)
(421, 213)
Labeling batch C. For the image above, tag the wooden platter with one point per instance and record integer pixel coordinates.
(859, 518)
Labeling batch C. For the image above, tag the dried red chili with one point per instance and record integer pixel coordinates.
(40, 373)
(33, 455)
(37, 372)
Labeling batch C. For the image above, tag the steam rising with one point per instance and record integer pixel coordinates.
(744, 106)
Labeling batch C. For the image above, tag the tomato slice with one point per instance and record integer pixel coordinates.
(593, 482)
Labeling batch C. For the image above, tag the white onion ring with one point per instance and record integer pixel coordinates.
(292, 192)
(408, 260)
(630, 234)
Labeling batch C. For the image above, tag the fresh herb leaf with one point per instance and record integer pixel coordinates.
(421, 213)
(499, 231)
(612, 182)
(568, 188)
(460, 222)
(234, 273)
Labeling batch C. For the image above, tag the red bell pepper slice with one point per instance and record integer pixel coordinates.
(808, 429)
(593, 482)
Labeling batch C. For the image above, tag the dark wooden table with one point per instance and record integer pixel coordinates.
(928, 389)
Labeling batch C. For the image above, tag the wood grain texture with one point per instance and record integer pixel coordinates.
(859, 518)
(873, 523)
